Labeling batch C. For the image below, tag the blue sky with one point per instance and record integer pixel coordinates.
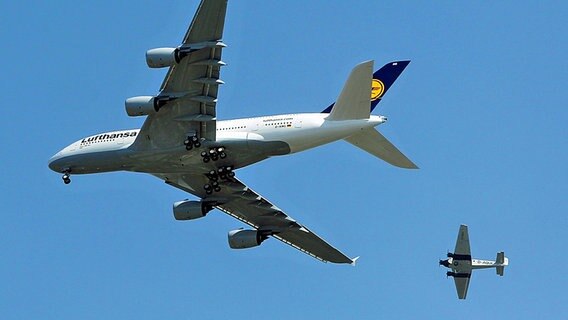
(481, 109)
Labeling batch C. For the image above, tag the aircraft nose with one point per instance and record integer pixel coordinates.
(55, 163)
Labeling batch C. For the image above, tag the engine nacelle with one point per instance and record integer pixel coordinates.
(189, 210)
(445, 263)
(140, 106)
(145, 105)
(242, 239)
(162, 57)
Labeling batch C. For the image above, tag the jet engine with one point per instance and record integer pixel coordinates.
(189, 210)
(242, 239)
(145, 105)
(162, 57)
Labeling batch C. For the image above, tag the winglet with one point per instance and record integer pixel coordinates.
(354, 260)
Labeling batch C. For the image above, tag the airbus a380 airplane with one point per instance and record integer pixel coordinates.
(182, 143)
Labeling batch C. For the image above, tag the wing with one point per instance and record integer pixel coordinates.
(462, 243)
(242, 203)
(462, 284)
(189, 91)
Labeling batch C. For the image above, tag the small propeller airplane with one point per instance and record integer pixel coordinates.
(182, 143)
(462, 264)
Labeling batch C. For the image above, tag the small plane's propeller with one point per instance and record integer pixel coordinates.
(444, 263)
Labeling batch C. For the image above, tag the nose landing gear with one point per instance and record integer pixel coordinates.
(66, 178)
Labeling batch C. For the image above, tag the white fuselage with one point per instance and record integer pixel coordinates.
(460, 266)
(247, 140)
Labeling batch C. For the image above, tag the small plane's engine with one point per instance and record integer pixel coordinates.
(242, 239)
(445, 263)
(162, 57)
(144, 105)
(189, 210)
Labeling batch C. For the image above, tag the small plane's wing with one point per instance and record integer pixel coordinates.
(462, 284)
(190, 87)
(462, 243)
(242, 203)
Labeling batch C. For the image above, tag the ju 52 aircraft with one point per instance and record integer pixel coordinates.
(462, 264)
(182, 143)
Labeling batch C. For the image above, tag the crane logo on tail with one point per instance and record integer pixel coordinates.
(377, 89)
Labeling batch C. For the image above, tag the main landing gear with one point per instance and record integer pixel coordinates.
(66, 177)
(214, 154)
(191, 142)
(223, 173)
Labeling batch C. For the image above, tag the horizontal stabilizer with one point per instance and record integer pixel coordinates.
(502, 261)
(383, 79)
(376, 144)
(500, 271)
(353, 101)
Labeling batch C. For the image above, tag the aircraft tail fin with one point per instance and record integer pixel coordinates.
(381, 81)
(376, 144)
(502, 261)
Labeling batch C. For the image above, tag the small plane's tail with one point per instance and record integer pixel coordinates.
(381, 81)
(502, 261)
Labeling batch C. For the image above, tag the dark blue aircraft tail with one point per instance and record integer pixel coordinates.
(382, 81)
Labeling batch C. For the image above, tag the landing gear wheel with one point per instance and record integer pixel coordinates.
(222, 155)
(206, 159)
(66, 178)
(191, 141)
(217, 189)
(231, 174)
